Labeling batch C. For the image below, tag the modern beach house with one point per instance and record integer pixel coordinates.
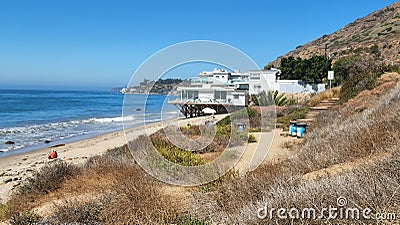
(225, 91)
(217, 89)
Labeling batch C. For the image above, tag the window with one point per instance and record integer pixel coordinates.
(236, 97)
(220, 95)
(188, 94)
(243, 87)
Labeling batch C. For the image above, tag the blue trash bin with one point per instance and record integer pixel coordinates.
(292, 128)
(301, 129)
(240, 127)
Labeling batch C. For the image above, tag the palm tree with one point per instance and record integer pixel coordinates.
(271, 98)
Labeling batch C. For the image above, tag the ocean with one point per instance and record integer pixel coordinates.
(30, 118)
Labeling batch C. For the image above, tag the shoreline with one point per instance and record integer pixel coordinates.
(14, 169)
(53, 144)
(28, 149)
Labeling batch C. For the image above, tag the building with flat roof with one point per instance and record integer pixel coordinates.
(222, 90)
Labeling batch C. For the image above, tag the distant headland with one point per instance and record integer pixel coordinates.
(161, 86)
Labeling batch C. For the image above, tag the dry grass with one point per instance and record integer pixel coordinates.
(330, 93)
(120, 192)
(287, 144)
(109, 189)
(131, 196)
(48, 179)
(372, 132)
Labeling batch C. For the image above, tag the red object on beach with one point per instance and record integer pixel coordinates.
(53, 155)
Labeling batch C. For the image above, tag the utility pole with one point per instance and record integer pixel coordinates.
(325, 49)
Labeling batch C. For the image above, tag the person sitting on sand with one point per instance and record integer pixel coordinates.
(53, 154)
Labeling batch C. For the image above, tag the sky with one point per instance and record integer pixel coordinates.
(90, 44)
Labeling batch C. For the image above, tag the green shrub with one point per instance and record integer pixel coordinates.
(26, 217)
(249, 113)
(357, 73)
(270, 98)
(357, 83)
(391, 68)
(4, 211)
(251, 139)
(189, 220)
(291, 113)
(181, 157)
(225, 121)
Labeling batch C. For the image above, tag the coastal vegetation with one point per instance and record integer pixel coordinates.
(291, 113)
(351, 152)
(113, 189)
(375, 34)
(361, 167)
(357, 73)
(160, 86)
(325, 95)
(165, 85)
(311, 70)
(268, 98)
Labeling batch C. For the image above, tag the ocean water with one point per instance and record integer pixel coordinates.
(30, 117)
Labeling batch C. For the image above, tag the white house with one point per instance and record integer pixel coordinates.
(219, 88)
(264, 80)
(210, 95)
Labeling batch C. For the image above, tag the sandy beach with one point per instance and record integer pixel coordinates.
(16, 168)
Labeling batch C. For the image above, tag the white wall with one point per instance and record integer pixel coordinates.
(290, 86)
(297, 86)
(240, 101)
(268, 82)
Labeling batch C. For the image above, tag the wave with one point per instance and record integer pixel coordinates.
(129, 118)
(31, 129)
(109, 120)
(58, 125)
(37, 135)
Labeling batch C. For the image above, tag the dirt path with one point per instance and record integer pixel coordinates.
(268, 148)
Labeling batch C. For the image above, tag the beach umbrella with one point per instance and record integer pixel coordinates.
(208, 110)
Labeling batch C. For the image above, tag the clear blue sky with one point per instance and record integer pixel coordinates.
(99, 44)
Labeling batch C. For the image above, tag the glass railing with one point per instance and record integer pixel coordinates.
(205, 101)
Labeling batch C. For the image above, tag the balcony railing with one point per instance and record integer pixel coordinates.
(199, 101)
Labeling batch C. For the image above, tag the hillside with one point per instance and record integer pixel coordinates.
(379, 30)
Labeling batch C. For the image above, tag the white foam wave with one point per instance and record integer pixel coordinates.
(108, 120)
(34, 135)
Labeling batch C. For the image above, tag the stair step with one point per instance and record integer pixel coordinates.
(306, 120)
(320, 108)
